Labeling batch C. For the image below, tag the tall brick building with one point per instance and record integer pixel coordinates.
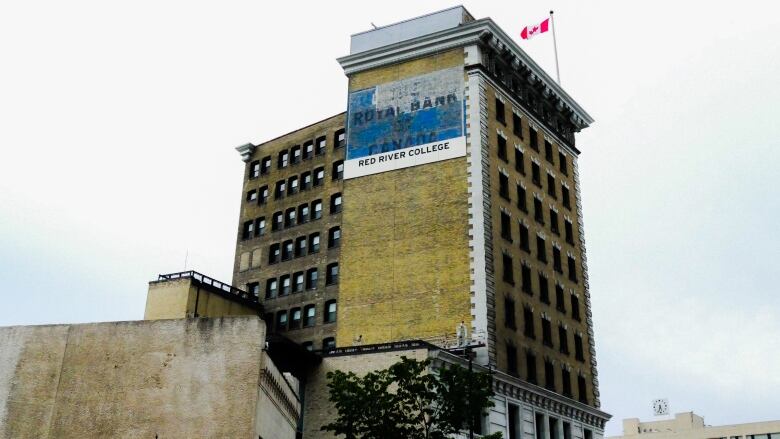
(447, 192)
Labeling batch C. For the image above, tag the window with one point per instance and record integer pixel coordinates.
(311, 278)
(335, 203)
(278, 221)
(557, 260)
(286, 286)
(533, 139)
(530, 367)
(314, 243)
(316, 209)
(271, 288)
(583, 394)
(538, 211)
(562, 163)
(263, 195)
(503, 186)
(308, 345)
(569, 233)
(298, 282)
(511, 359)
(330, 311)
(260, 226)
(560, 303)
(541, 249)
(254, 169)
(279, 190)
(517, 126)
(334, 237)
(551, 186)
(575, 307)
(289, 217)
(502, 149)
(565, 197)
(506, 226)
(321, 143)
(509, 313)
(328, 343)
(554, 222)
(341, 139)
(319, 176)
(265, 165)
(292, 185)
(546, 332)
(332, 274)
(296, 154)
(281, 320)
(566, 378)
(283, 160)
(251, 196)
(253, 288)
(507, 267)
(563, 340)
(526, 275)
(309, 315)
(519, 161)
(300, 246)
(338, 170)
(514, 422)
(544, 289)
(578, 354)
(308, 150)
(500, 111)
(303, 213)
(295, 318)
(306, 181)
(536, 174)
(248, 230)
(572, 270)
(274, 253)
(528, 322)
(548, 151)
(525, 243)
(549, 377)
(521, 199)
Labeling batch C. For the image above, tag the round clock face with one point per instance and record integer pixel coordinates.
(660, 406)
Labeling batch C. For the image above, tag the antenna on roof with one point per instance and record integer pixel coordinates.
(375, 26)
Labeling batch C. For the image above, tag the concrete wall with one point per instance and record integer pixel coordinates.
(688, 425)
(318, 411)
(177, 299)
(162, 378)
(404, 256)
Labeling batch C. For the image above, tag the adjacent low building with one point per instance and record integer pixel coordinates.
(689, 425)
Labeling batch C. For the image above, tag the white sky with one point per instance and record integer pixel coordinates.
(118, 123)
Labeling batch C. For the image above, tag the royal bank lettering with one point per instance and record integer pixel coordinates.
(405, 123)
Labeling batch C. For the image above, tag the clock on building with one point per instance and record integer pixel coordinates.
(661, 407)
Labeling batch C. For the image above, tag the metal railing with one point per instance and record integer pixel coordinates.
(206, 280)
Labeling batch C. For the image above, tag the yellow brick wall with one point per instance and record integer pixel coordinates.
(404, 255)
(177, 299)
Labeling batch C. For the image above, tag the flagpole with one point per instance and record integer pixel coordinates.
(555, 47)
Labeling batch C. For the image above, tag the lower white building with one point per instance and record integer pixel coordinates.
(688, 425)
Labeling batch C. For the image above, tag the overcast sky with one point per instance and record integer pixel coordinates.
(118, 122)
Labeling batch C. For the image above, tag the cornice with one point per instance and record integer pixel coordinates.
(246, 151)
(483, 31)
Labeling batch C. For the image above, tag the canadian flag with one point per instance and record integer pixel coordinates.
(532, 31)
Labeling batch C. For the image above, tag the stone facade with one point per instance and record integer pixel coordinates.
(162, 378)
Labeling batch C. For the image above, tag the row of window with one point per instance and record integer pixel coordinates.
(300, 317)
(297, 282)
(533, 141)
(508, 273)
(547, 332)
(296, 154)
(291, 185)
(544, 423)
(503, 191)
(302, 246)
(524, 232)
(560, 301)
(549, 373)
(291, 217)
(327, 343)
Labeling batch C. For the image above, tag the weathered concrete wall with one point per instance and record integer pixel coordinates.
(178, 299)
(318, 411)
(162, 378)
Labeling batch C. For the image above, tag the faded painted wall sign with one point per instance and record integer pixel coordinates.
(405, 123)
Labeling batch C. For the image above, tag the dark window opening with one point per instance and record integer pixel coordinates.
(500, 111)
(526, 275)
(507, 269)
(546, 333)
(517, 126)
(332, 274)
(506, 226)
(528, 323)
(511, 359)
(503, 186)
(544, 289)
(521, 199)
(502, 149)
(563, 340)
(509, 313)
